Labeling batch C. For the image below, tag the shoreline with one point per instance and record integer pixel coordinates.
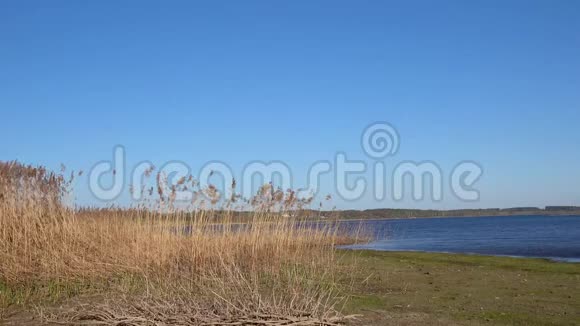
(563, 260)
(330, 220)
(574, 214)
(416, 288)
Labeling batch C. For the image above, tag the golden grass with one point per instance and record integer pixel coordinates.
(269, 266)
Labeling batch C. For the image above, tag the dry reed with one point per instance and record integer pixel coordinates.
(203, 262)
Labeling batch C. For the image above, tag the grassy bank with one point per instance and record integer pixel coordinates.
(389, 288)
(442, 289)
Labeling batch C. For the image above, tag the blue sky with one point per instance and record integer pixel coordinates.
(496, 82)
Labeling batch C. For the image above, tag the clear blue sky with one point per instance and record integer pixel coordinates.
(497, 82)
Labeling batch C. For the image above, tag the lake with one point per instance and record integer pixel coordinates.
(552, 237)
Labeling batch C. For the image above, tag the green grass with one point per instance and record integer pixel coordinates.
(392, 288)
(51, 292)
(463, 289)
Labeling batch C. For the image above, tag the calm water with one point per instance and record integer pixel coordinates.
(553, 237)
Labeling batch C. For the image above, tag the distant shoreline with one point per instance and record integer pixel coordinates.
(442, 217)
(389, 213)
(406, 214)
(436, 217)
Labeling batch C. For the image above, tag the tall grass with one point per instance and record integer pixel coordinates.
(181, 262)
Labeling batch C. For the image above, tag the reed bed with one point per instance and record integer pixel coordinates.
(185, 266)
